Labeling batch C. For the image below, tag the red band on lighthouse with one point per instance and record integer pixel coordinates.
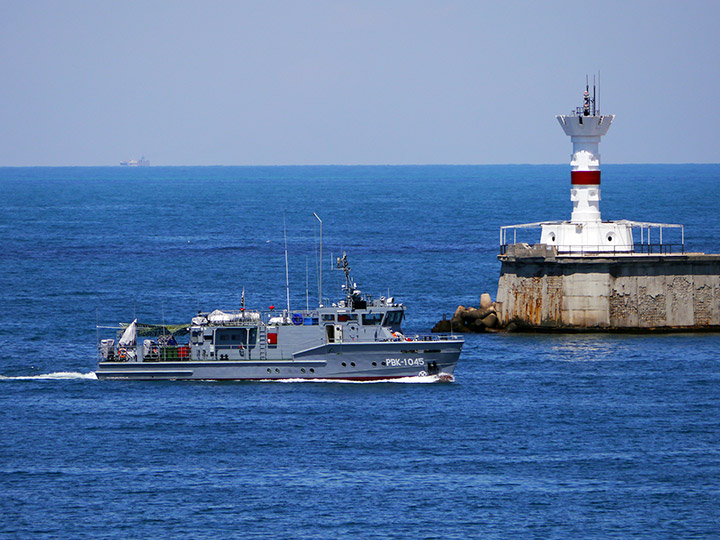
(585, 178)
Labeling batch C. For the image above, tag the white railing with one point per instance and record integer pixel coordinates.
(651, 239)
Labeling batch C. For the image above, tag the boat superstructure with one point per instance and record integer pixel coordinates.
(358, 338)
(142, 162)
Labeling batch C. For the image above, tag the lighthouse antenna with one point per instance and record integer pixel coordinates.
(594, 90)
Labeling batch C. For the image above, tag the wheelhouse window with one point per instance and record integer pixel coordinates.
(328, 318)
(252, 335)
(345, 317)
(372, 319)
(393, 318)
(236, 336)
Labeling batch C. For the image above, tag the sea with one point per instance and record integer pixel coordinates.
(538, 436)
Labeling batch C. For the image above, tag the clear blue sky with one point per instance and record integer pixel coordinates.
(333, 82)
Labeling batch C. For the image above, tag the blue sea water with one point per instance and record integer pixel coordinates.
(540, 436)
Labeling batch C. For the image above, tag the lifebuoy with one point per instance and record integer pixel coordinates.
(122, 353)
(297, 319)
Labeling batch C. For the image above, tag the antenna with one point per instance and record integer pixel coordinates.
(287, 276)
(594, 90)
(598, 92)
(319, 263)
(307, 289)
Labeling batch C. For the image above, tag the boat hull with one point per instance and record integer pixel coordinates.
(342, 361)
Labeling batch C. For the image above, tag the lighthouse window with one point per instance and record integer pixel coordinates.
(371, 319)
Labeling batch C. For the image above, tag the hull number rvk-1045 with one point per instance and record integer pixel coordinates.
(404, 362)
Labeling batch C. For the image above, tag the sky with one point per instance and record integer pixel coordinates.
(338, 82)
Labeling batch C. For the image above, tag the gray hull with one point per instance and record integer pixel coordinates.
(342, 361)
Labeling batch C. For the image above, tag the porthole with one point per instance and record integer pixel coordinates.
(352, 364)
(344, 364)
(610, 237)
(374, 364)
(312, 370)
(269, 370)
(302, 370)
(382, 363)
(552, 237)
(277, 370)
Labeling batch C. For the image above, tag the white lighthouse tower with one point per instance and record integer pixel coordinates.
(586, 232)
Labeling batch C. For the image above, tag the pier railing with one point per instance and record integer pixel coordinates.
(638, 249)
(651, 241)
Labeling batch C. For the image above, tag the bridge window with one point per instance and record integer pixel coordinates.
(236, 336)
(371, 319)
(344, 317)
(393, 318)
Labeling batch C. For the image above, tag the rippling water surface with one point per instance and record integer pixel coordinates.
(562, 436)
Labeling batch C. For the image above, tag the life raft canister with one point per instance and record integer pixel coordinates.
(297, 319)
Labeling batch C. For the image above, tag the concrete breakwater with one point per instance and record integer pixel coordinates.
(541, 290)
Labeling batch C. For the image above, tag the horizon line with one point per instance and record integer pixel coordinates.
(355, 165)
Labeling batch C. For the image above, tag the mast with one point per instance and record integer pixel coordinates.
(319, 263)
(287, 275)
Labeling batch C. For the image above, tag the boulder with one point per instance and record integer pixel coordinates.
(472, 314)
(442, 327)
(460, 328)
(482, 313)
(457, 317)
(490, 321)
(477, 326)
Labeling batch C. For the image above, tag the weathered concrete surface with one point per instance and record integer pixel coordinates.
(540, 289)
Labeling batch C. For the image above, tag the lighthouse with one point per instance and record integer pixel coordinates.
(586, 232)
(587, 274)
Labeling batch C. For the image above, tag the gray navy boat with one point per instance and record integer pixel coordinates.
(358, 339)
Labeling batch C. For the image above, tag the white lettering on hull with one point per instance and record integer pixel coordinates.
(404, 362)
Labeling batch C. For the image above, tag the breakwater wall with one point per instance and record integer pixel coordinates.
(539, 289)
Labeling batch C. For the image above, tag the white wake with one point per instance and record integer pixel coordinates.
(58, 375)
(426, 379)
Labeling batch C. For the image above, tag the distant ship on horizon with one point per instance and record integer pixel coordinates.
(142, 162)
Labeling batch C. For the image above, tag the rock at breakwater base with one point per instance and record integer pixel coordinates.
(470, 319)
